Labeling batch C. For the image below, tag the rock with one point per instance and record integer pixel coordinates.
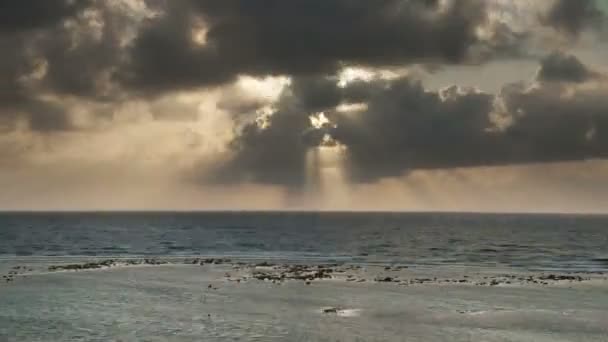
(423, 280)
(72, 267)
(331, 310)
(154, 262)
(561, 277)
(385, 279)
(264, 264)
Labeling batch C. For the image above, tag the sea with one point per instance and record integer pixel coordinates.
(531, 242)
(182, 301)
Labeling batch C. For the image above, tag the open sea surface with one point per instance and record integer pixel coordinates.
(527, 242)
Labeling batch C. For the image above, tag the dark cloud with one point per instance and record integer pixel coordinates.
(301, 37)
(560, 67)
(18, 20)
(317, 93)
(41, 115)
(12, 65)
(553, 123)
(84, 44)
(56, 50)
(45, 116)
(406, 127)
(51, 48)
(274, 152)
(572, 17)
(33, 14)
(82, 58)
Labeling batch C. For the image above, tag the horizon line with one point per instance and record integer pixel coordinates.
(295, 211)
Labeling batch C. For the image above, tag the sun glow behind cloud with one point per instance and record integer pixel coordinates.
(268, 88)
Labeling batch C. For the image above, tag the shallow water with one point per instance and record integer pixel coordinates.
(530, 242)
(175, 303)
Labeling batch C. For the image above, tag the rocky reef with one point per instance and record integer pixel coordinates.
(240, 271)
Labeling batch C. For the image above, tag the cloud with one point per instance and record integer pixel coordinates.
(303, 37)
(273, 154)
(110, 53)
(572, 17)
(405, 127)
(32, 14)
(59, 49)
(56, 46)
(560, 67)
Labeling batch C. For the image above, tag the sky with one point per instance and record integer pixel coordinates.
(397, 105)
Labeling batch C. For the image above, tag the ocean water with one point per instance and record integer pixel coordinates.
(187, 302)
(527, 242)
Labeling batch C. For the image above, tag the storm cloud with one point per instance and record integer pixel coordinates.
(572, 17)
(107, 53)
(559, 67)
(32, 14)
(20, 24)
(401, 126)
(107, 50)
(52, 50)
(299, 37)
